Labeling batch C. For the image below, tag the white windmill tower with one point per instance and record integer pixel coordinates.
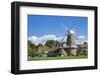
(71, 44)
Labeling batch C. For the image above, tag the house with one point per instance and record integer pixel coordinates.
(44, 49)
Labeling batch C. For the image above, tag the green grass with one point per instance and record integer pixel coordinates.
(59, 57)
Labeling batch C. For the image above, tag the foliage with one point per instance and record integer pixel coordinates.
(50, 43)
(31, 49)
(42, 52)
(30, 44)
(39, 45)
(53, 43)
(58, 44)
(84, 52)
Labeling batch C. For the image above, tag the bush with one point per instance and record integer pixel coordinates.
(84, 52)
(31, 51)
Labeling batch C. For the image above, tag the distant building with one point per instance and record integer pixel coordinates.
(44, 49)
(82, 47)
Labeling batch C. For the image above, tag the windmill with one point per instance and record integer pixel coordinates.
(69, 37)
(70, 41)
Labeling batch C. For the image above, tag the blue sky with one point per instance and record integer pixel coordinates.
(39, 25)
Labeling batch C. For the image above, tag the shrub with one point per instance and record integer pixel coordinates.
(84, 52)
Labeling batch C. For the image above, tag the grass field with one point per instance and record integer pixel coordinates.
(57, 58)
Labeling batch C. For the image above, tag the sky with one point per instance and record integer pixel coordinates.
(39, 25)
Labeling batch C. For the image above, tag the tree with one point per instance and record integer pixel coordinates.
(31, 44)
(50, 43)
(84, 52)
(31, 49)
(57, 44)
(39, 45)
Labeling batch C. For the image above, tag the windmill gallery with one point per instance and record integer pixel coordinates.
(67, 47)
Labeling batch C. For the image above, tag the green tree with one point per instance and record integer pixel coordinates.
(31, 44)
(57, 44)
(84, 52)
(39, 45)
(50, 43)
(31, 49)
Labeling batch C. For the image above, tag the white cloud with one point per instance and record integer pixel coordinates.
(42, 40)
(34, 38)
(81, 37)
(81, 42)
